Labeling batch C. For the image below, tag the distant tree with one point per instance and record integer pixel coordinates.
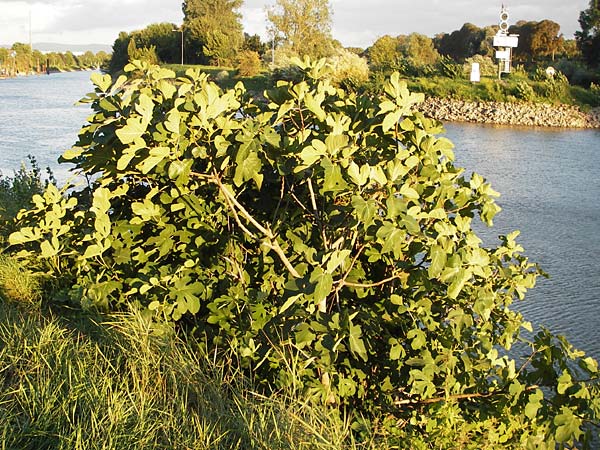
(248, 63)
(159, 36)
(463, 43)
(588, 39)
(537, 40)
(87, 60)
(305, 25)
(357, 50)
(546, 40)
(214, 30)
(5, 63)
(102, 59)
(22, 57)
(147, 54)
(119, 56)
(402, 53)
(486, 47)
(254, 44)
(384, 55)
(569, 49)
(418, 49)
(164, 38)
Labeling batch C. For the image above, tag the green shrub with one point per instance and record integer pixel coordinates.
(524, 91)
(540, 74)
(487, 67)
(324, 244)
(518, 73)
(249, 63)
(595, 92)
(555, 89)
(447, 67)
(17, 191)
(348, 69)
(577, 73)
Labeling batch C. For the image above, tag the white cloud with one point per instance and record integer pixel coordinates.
(356, 22)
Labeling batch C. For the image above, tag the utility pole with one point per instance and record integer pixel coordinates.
(181, 30)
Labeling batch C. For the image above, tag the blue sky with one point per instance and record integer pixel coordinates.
(355, 22)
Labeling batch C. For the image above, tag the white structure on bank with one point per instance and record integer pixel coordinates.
(504, 43)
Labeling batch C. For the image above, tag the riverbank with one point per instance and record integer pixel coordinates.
(527, 114)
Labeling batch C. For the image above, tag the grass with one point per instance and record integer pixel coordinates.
(119, 382)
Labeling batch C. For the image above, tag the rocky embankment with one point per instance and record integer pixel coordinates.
(528, 114)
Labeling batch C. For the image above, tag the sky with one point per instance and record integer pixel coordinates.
(356, 23)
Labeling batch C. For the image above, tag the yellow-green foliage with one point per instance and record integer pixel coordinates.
(17, 283)
(249, 63)
(487, 67)
(348, 68)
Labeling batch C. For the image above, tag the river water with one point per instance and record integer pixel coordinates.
(549, 180)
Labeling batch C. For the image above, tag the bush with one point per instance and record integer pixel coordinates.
(487, 67)
(249, 63)
(324, 244)
(577, 73)
(348, 69)
(555, 89)
(595, 92)
(17, 191)
(523, 91)
(447, 67)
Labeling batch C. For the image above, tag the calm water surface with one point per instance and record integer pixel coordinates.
(38, 117)
(549, 181)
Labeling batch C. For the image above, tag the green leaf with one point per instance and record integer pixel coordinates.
(438, 258)
(103, 81)
(393, 238)
(323, 282)
(173, 120)
(48, 250)
(310, 155)
(357, 345)
(360, 176)
(334, 181)
(156, 156)
(461, 277)
(304, 335)
(135, 127)
(289, 302)
(145, 107)
(365, 209)
(534, 404)
(409, 192)
(418, 338)
(391, 120)
(249, 169)
(564, 382)
(568, 425)
(336, 258)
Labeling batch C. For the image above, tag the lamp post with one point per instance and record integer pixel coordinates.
(181, 30)
(13, 54)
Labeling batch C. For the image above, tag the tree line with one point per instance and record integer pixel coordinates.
(212, 33)
(22, 59)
